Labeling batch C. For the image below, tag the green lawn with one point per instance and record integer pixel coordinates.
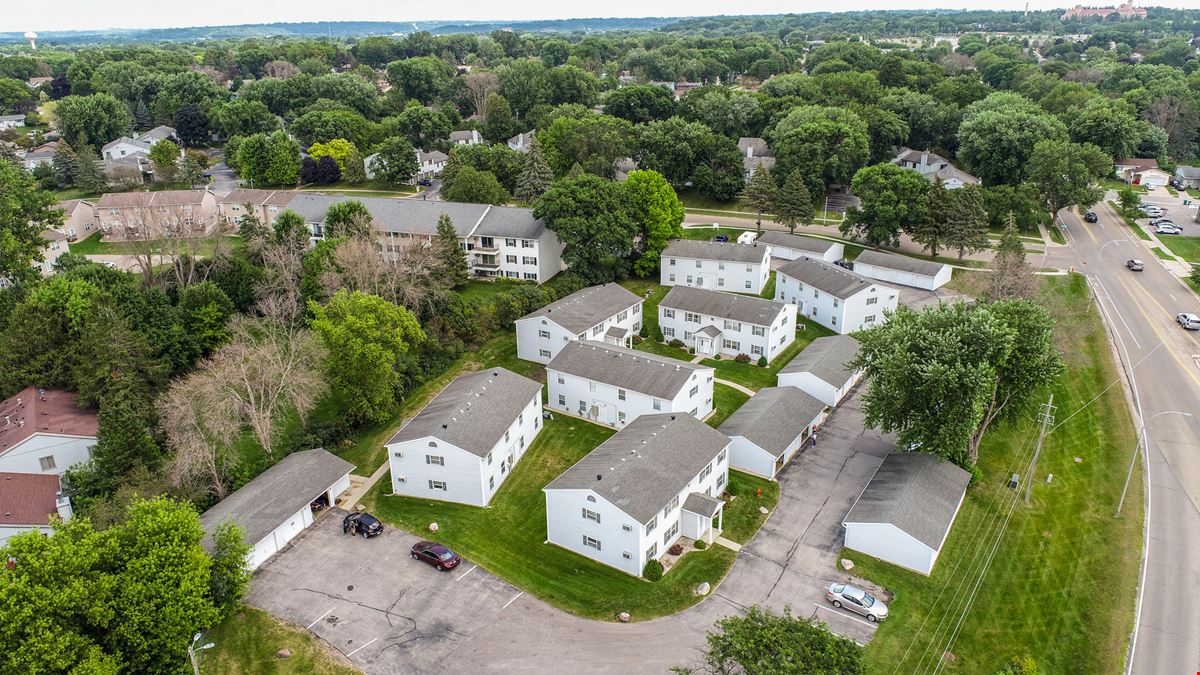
(1062, 583)
(202, 247)
(74, 193)
(248, 640)
(1187, 248)
(485, 290)
(751, 375)
(694, 200)
(1137, 229)
(768, 291)
(1118, 185)
(508, 537)
(1056, 234)
(726, 400)
(1161, 253)
(707, 233)
(742, 518)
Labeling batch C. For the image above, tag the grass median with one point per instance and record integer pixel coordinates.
(248, 641)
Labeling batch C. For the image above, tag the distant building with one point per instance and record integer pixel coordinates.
(43, 431)
(56, 246)
(1140, 171)
(79, 218)
(755, 153)
(266, 204)
(11, 121)
(469, 137)
(521, 142)
(1125, 11)
(933, 166)
(153, 215)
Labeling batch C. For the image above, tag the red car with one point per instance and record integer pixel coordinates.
(435, 554)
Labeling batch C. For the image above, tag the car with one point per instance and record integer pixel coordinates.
(856, 600)
(1153, 211)
(1149, 188)
(1135, 265)
(723, 238)
(425, 181)
(1160, 221)
(1168, 229)
(842, 262)
(435, 554)
(1188, 321)
(362, 523)
(1090, 217)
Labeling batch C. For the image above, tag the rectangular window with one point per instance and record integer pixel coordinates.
(623, 315)
(687, 335)
(668, 332)
(691, 318)
(545, 353)
(720, 480)
(620, 417)
(582, 407)
(747, 283)
(491, 482)
(437, 485)
(668, 313)
(721, 281)
(592, 387)
(872, 300)
(510, 242)
(756, 350)
(870, 318)
(620, 394)
(489, 459)
(560, 379)
(47, 463)
(670, 533)
(694, 390)
(835, 303)
(706, 472)
(525, 243)
(721, 457)
(732, 345)
(721, 265)
(672, 262)
(689, 280)
(759, 331)
(749, 268)
(651, 525)
(657, 404)
(833, 320)
(589, 514)
(591, 543)
(627, 555)
(627, 527)
(510, 259)
(596, 331)
(651, 552)
(528, 260)
(544, 334)
(671, 506)
(435, 459)
(698, 264)
(530, 276)
(735, 326)
(671, 277)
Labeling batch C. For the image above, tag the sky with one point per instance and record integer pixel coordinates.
(47, 15)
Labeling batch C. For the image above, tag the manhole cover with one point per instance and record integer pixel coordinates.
(350, 588)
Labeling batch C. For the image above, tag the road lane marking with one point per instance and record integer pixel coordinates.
(844, 615)
(1172, 297)
(513, 600)
(1117, 311)
(466, 573)
(360, 649)
(318, 619)
(1152, 325)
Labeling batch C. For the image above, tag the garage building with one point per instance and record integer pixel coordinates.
(791, 246)
(277, 505)
(821, 369)
(771, 428)
(900, 269)
(906, 511)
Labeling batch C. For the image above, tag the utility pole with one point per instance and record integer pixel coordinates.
(1047, 417)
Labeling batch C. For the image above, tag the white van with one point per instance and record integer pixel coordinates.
(747, 238)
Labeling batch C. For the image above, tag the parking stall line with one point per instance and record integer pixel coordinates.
(466, 573)
(513, 600)
(360, 648)
(318, 619)
(844, 615)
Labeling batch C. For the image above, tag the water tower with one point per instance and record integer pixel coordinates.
(32, 37)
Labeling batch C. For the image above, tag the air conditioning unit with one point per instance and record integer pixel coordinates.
(398, 455)
(401, 479)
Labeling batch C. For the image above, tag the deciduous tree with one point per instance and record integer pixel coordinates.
(165, 156)
(395, 161)
(761, 642)
(589, 215)
(25, 212)
(656, 209)
(894, 200)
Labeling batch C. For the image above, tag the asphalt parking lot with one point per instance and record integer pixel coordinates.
(1173, 208)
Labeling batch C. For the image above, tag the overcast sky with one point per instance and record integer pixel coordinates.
(20, 15)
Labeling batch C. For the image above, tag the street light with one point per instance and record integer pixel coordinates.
(194, 652)
(1141, 439)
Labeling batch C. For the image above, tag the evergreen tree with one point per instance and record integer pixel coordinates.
(759, 194)
(89, 176)
(967, 230)
(354, 171)
(576, 170)
(1012, 277)
(931, 231)
(66, 165)
(191, 171)
(536, 175)
(450, 170)
(142, 121)
(451, 263)
(794, 205)
(191, 124)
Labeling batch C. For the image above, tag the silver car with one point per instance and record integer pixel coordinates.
(1188, 321)
(856, 600)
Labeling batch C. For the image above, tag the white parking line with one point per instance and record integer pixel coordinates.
(845, 615)
(513, 600)
(360, 648)
(466, 573)
(318, 619)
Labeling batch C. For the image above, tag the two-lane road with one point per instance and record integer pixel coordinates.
(1163, 362)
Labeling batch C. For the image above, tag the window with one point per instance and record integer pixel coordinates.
(691, 318)
(672, 262)
(732, 345)
(491, 482)
(582, 407)
(747, 283)
(627, 527)
(620, 394)
(592, 387)
(591, 543)
(749, 268)
(833, 320)
(671, 506)
(521, 442)
(560, 378)
(510, 259)
(756, 350)
(437, 485)
(528, 260)
(733, 325)
(591, 499)
(706, 472)
(623, 315)
(873, 300)
(651, 552)
(597, 329)
(870, 318)
(47, 463)
(651, 525)
(397, 455)
(689, 280)
(816, 293)
(507, 436)
(835, 302)
(530, 276)
(620, 417)
(544, 353)
(687, 335)
(670, 533)
(721, 265)
(525, 243)
(562, 400)
(721, 457)
(657, 404)
(589, 514)
(671, 277)
(720, 480)
(668, 313)
(668, 332)
(694, 390)
(435, 459)
(720, 281)
(510, 242)
(698, 264)
(758, 331)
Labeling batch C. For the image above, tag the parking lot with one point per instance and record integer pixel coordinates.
(1173, 208)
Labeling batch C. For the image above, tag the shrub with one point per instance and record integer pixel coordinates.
(675, 549)
(638, 339)
(676, 342)
(762, 362)
(644, 331)
(653, 570)
(742, 358)
(701, 544)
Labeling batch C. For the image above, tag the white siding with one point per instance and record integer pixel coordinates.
(604, 405)
(67, 451)
(746, 456)
(904, 278)
(861, 310)
(817, 388)
(774, 340)
(717, 275)
(7, 531)
(531, 344)
(835, 252)
(890, 544)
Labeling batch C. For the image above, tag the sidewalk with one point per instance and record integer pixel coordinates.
(359, 486)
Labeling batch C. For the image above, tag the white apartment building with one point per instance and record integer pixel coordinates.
(712, 322)
(464, 444)
(614, 386)
(791, 246)
(836, 298)
(626, 502)
(42, 431)
(738, 268)
(607, 313)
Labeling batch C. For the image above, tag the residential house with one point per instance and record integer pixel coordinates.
(128, 169)
(43, 431)
(468, 137)
(79, 218)
(823, 369)
(613, 385)
(622, 168)
(430, 164)
(834, 297)
(608, 313)
(933, 166)
(464, 444)
(125, 216)
(791, 246)
(30, 501)
(279, 503)
(712, 323)
(741, 268)
(771, 428)
(655, 481)
(903, 270)
(1141, 171)
(521, 141)
(158, 133)
(43, 154)
(56, 245)
(1188, 176)
(755, 153)
(265, 204)
(11, 122)
(904, 514)
(499, 241)
(35, 82)
(124, 147)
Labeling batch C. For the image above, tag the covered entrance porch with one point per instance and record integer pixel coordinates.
(708, 340)
(703, 517)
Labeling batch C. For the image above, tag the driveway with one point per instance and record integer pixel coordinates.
(388, 613)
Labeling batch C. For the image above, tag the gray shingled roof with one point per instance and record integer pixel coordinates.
(698, 502)
(433, 157)
(797, 242)
(396, 215)
(756, 145)
(587, 307)
(473, 411)
(836, 281)
(276, 494)
(646, 464)
(710, 331)
(511, 221)
(643, 372)
(724, 305)
(1188, 172)
(773, 418)
(714, 250)
(900, 262)
(916, 492)
(826, 358)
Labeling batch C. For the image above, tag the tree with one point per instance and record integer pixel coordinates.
(594, 142)
(967, 228)
(761, 642)
(656, 209)
(536, 175)
(367, 339)
(894, 200)
(932, 231)
(25, 212)
(205, 309)
(1012, 278)
(640, 103)
(571, 84)
(498, 122)
(1067, 174)
(254, 158)
(92, 120)
(793, 204)
(65, 165)
(479, 85)
(423, 127)
(718, 172)
(165, 156)
(452, 264)
(476, 187)
(998, 134)
(828, 145)
(229, 577)
(395, 161)
(320, 126)
(1109, 125)
(192, 126)
(348, 218)
(1128, 199)
(283, 160)
(759, 194)
(339, 149)
(241, 117)
(670, 147)
(189, 169)
(589, 215)
(423, 78)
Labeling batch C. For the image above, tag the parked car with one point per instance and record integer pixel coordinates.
(1188, 321)
(856, 600)
(1168, 229)
(1153, 213)
(1090, 217)
(435, 554)
(723, 238)
(1135, 265)
(425, 181)
(362, 523)
(1162, 219)
(842, 262)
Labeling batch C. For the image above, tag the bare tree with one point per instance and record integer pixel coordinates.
(165, 242)
(280, 69)
(277, 296)
(200, 426)
(479, 85)
(403, 273)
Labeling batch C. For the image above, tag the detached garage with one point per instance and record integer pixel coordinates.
(900, 269)
(766, 432)
(791, 246)
(821, 371)
(278, 504)
(905, 513)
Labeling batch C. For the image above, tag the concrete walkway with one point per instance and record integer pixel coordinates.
(731, 545)
(745, 390)
(359, 486)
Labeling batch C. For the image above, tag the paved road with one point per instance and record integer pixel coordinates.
(1164, 363)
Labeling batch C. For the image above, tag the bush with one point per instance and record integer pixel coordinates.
(742, 358)
(701, 544)
(653, 570)
(676, 342)
(675, 549)
(644, 332)
(762, 362)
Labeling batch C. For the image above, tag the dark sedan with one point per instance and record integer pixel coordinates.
(435, 554)
(1090, 217)
(362, 523)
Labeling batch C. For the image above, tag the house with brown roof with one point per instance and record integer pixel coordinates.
(79, 218)
(42, 431)
(30, 502)
(266, 204)
(56, 245)
(125, 216)
(1141, 171)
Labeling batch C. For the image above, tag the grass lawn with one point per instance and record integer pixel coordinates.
(1062, 583)
(694, 200)
(754, 377)
(247, 641)
(1187, 248)
(202, 247)
(371, 188)
(768, 291)
(726, 401)
(1137, 229)
(1056, 235)
(508, 538)
(707, 233)
(484, 290)
(742, 518)
(1161, 253)
(1118, 185)
(74, 193)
